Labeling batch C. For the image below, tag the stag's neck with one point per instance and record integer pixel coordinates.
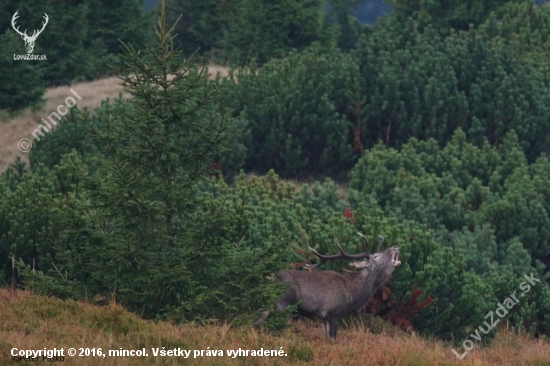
(363, 284)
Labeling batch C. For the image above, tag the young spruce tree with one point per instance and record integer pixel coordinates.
(143, 231)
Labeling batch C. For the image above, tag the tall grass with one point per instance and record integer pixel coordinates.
(30, 321)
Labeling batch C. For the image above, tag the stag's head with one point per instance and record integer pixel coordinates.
(384, 262)
(29, 40)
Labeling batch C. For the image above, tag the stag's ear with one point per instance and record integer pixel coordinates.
(359, 265)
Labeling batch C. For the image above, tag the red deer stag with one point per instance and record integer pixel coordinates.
(328, 295)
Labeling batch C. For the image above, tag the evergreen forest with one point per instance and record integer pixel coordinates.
(179, 199)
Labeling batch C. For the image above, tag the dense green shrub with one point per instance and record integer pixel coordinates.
(524, 27)
(309, 113)
(30, 222)
(461, 186)
(418, 85)
(299, 122)
(72, 133)
(488, 204)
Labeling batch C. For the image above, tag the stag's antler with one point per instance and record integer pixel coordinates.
(380, 243)
(367, 242)
(342, 254)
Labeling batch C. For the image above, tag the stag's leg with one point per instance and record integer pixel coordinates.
(261, 318)
(326, 328)
(333, 327)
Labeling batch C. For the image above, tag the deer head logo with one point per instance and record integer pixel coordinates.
(29, 40)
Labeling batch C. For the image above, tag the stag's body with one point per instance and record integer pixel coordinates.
(328, 295)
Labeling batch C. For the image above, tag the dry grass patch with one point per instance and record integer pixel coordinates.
(14, 129)
(36, 322)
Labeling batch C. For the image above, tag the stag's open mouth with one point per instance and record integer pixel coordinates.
(396, 261)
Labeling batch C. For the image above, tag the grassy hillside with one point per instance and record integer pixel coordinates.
(36, 322)
(13, 129)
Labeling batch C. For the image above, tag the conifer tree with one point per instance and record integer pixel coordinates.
(142, 231)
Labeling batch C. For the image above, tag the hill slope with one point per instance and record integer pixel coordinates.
(36, 322)
(12, 130)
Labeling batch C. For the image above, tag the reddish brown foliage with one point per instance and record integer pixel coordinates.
(216, 166)
(399, 313)
(348, 214)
